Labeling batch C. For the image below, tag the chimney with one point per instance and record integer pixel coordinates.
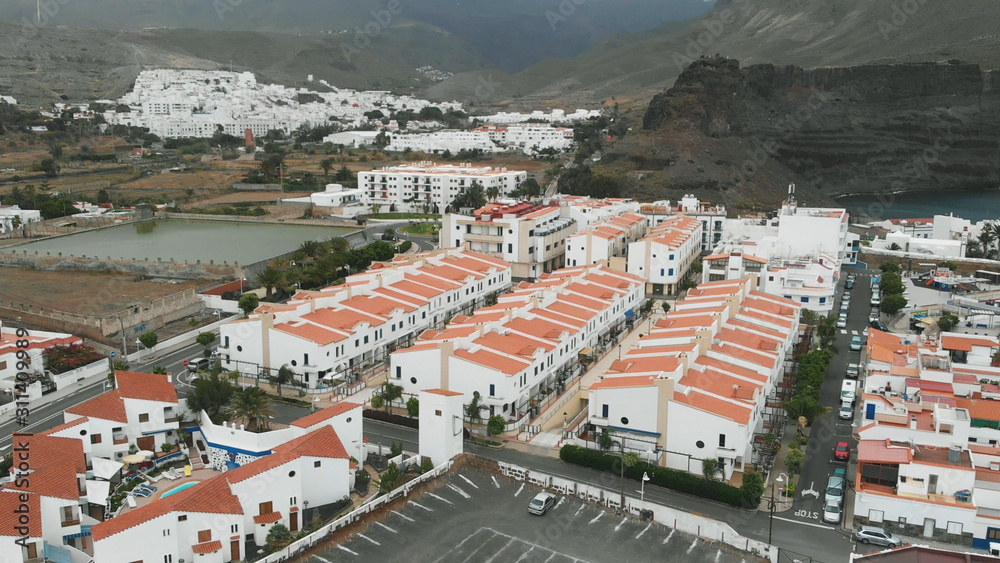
(242, 427)
(170, 377)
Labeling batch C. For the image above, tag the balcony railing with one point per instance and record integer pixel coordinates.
(120, 439)
(68, 523)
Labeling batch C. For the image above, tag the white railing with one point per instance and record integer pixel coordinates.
(701, 526)
(355, 515)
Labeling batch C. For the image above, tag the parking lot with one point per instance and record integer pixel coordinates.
(475, 516)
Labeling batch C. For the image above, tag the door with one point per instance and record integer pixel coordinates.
(32, 550)
(928, 527)
(234, 550)
(147, 443)
(265, 508)
(870, 411)
(294, 522)
(932, 484)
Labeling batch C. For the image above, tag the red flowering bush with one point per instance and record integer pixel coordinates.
(65, 358)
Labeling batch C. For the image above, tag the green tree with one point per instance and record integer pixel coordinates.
(205, 339)
(390, 479)
(149, 339)
(377, 401)
(606, 439)
(252, 407)
(710, 468)
(496, 425)
(891, 284)
(892, 304)
(326, 164)
(284, 376)
(249, 302)
(492, 193)
(666, 307)
(474, 410)
(159, 370)
(530, 188)
(948, 322)
(49, 166)
(752, 488)
(344, 175)
(413, 407)
(279, 537)
(390, 393)
(890, 267)
(270, 278)
(472, 197)
(794, 460)
(210, 394)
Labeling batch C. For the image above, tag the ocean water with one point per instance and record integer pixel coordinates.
(971, 205)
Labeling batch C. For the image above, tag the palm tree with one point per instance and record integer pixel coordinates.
(270, 278)
(606, 439)
(252, 407)
(391, 393)
(710, 468)
(285, 376)
(474, 410)
(326, 164)
(986, 238)
(311, 248)
(994, 236)
(339, 245)
(492, 193)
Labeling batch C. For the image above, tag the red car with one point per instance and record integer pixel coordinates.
(842, 452)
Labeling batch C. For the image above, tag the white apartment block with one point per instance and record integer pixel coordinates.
(38, 341)
(490, 139)
(213, 520)
(12, 217)
(696, 386)
(526, 347)
(665, 255)
(606, 240)
(587, 211)
(426, 185)
(555, 116)
(529, 236)
(335, 332)
(712, 217)
(335, 200)
(195, 103)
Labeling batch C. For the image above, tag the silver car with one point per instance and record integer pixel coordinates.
(831, 513)
(878, 536)
(541, 503)
(834, 490)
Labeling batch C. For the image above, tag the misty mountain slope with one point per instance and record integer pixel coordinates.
(807, 33)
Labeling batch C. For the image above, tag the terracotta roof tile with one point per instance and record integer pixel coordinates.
(58, 481)
(145, 386)
(622, 382)
(506, 365)
(207, 547)
(107, 406)
(737, 412)
(325, 414)
(9, 502)
(269, 518)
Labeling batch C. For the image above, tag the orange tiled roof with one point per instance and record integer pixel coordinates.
(47, 451)
(311, 332)
(107, 406)
(622, 382)
(58, 481)
(9, 502)
(325, 414)
(506, 365)
(145, 386)
(737, 412)
(444, 392)
(322, 442)
(55, 430)
(207, 547)
(965, 343)
(269, 518)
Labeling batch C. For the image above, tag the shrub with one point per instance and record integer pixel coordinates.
(794, 460)
(673, 479)
(426, 465)
(66, 358)
(405, 246)
(391, 418)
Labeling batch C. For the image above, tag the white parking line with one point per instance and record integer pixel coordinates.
(596, 518)
(670, 535)
(369, 539)
(459, 490)
(519, 490)
(561, 499)
(386, 527)
(466, 479)
(578, 510)
(403, 516)
(644, 530)
(842, 331)
(495, 482)
(342, 548)
(694, 543)
(324, 559)
(442, 499)
(620, 524)
(418, 505)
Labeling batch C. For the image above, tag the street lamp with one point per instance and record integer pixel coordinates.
(771, 507)
(241, 285)
(642, 488)
(619, 352)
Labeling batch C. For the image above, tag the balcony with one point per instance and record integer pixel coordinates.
(68, 523)
(169, 415)
(480, 237)
(120, 439)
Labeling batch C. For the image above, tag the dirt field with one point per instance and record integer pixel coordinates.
(83, 292)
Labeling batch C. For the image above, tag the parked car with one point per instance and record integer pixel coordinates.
(853, 370)
(873, 317)
(845, 306)
(842, 321)
(878, 536)
(847, 297)
(849, 284)
(831, 513)
(541, 503)
(846, 412)
(855, 343)
(834, 490)
(842, 451)
(876, 300)
(197, 363)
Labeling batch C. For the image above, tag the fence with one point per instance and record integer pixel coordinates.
(355, 515)
(701, 526)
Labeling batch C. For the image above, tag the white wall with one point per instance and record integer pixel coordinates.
(441, 427)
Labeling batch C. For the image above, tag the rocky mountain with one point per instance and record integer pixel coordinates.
(741, 134)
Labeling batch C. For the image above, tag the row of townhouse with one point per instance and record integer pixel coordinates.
(696, 387)
(606, 240)
(525, 347)
(71, 467)
(665, 255)
(332, 333)
(928, 456)
(410, 187)
(228, 516)
(530, 236)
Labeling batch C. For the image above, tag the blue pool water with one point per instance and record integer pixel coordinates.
(180, 488)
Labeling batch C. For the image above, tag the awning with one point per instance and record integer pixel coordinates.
(587, 352)
(629, 314)
(105, 468)
(97, 491)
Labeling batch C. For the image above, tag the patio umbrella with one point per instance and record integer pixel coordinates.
(144, 453)
(134, 458)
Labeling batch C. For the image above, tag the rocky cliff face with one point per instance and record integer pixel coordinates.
(837, 131)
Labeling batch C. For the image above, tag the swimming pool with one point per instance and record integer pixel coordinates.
(180, 488)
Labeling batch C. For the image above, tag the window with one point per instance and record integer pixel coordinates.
(699, 444)
(625, 420)
(413, 380)
(366, 339)
(722, 440)
(166, 533)
(292, 501)
(316, 463)
(804, 299)
(399, 372)
(204, 536)
(182, 518)
(822, 300)
(144, 417)
(234, 529)
(305, 359)
(437, 413)
(671, 272)
(493, 390)
(95, 438)
(168, 558)
(604, 411)
(265, 508)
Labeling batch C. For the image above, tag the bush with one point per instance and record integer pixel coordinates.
(391, 418)
(405, 246)
(794, 460)
(66, 358)
(680, 481)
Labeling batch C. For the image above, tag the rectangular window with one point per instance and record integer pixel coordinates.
(399, 372)
(182, 518)
(437, 413)
(722, 440)
(305, 359)
(168, 558)
(604, 411)
(493, 390)
(316, 463)
(265, 508)
(144, 417)
(166, 533)
(804, 299)
(204, 536)
(95, 438)
(671, 272)
(366, 339)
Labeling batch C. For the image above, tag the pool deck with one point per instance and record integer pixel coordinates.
(164, 485)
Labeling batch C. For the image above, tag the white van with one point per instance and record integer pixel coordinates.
(848, 392)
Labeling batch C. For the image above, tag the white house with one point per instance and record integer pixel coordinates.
(529, 236)
(712, 217)
(414, 186)
(336, 200)
(664, 257)
(13, 217)
(605, 240)
(330, 335)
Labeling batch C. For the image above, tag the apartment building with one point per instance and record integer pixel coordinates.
(524, 349)
(12, 217)
(530, 139)
(331, 334)
(605, 240)
(665, 255)
(420, 185)
(696, 387)
(712, 217)
(529, 236)
(213, 520)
